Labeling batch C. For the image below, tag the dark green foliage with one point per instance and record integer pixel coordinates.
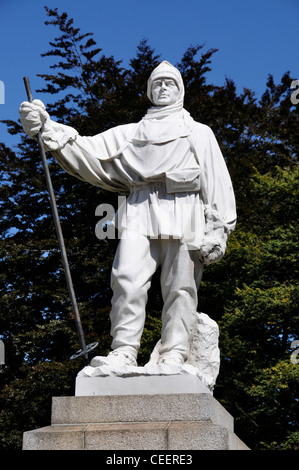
(252, 292)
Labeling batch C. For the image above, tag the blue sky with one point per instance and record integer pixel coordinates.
(254, 38)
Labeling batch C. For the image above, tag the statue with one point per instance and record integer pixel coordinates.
(179, 211)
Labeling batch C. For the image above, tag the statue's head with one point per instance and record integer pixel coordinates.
(165, 85)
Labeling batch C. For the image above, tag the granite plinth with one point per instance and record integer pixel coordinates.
(182, 421)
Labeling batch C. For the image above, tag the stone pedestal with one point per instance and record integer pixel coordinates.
(173, 420)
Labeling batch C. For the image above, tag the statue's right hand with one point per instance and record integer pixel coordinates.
(33, 116)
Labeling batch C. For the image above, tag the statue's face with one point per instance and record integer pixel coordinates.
(164, 92)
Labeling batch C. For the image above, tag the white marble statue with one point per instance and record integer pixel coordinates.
(178, 214)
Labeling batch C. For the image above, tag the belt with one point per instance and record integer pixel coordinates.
(149, 185)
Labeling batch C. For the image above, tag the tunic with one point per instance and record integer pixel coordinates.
(168, 184)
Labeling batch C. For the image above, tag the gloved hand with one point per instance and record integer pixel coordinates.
(214, 243)
(33, 117)
(213, 247)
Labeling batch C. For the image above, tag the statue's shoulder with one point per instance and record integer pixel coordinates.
(201, 133)
(202, 128)
(121, 132)
(196, 126)
(126, 127)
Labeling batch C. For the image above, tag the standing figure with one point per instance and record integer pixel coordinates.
(178, 214)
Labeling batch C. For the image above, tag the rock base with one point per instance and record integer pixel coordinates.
(149, 380)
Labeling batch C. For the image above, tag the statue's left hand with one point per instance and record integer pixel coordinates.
(213, 246)
(214, 242)
(212, 251)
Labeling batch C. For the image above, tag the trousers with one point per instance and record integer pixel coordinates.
(135, 262)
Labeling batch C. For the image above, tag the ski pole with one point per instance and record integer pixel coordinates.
(84, 349)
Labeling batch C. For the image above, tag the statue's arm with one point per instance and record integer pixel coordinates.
(90, 159)
(216, 179)
(218, 195)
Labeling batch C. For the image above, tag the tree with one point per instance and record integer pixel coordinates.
(252, 293)
(261, 318)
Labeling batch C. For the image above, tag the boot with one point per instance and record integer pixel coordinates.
(116, 358)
